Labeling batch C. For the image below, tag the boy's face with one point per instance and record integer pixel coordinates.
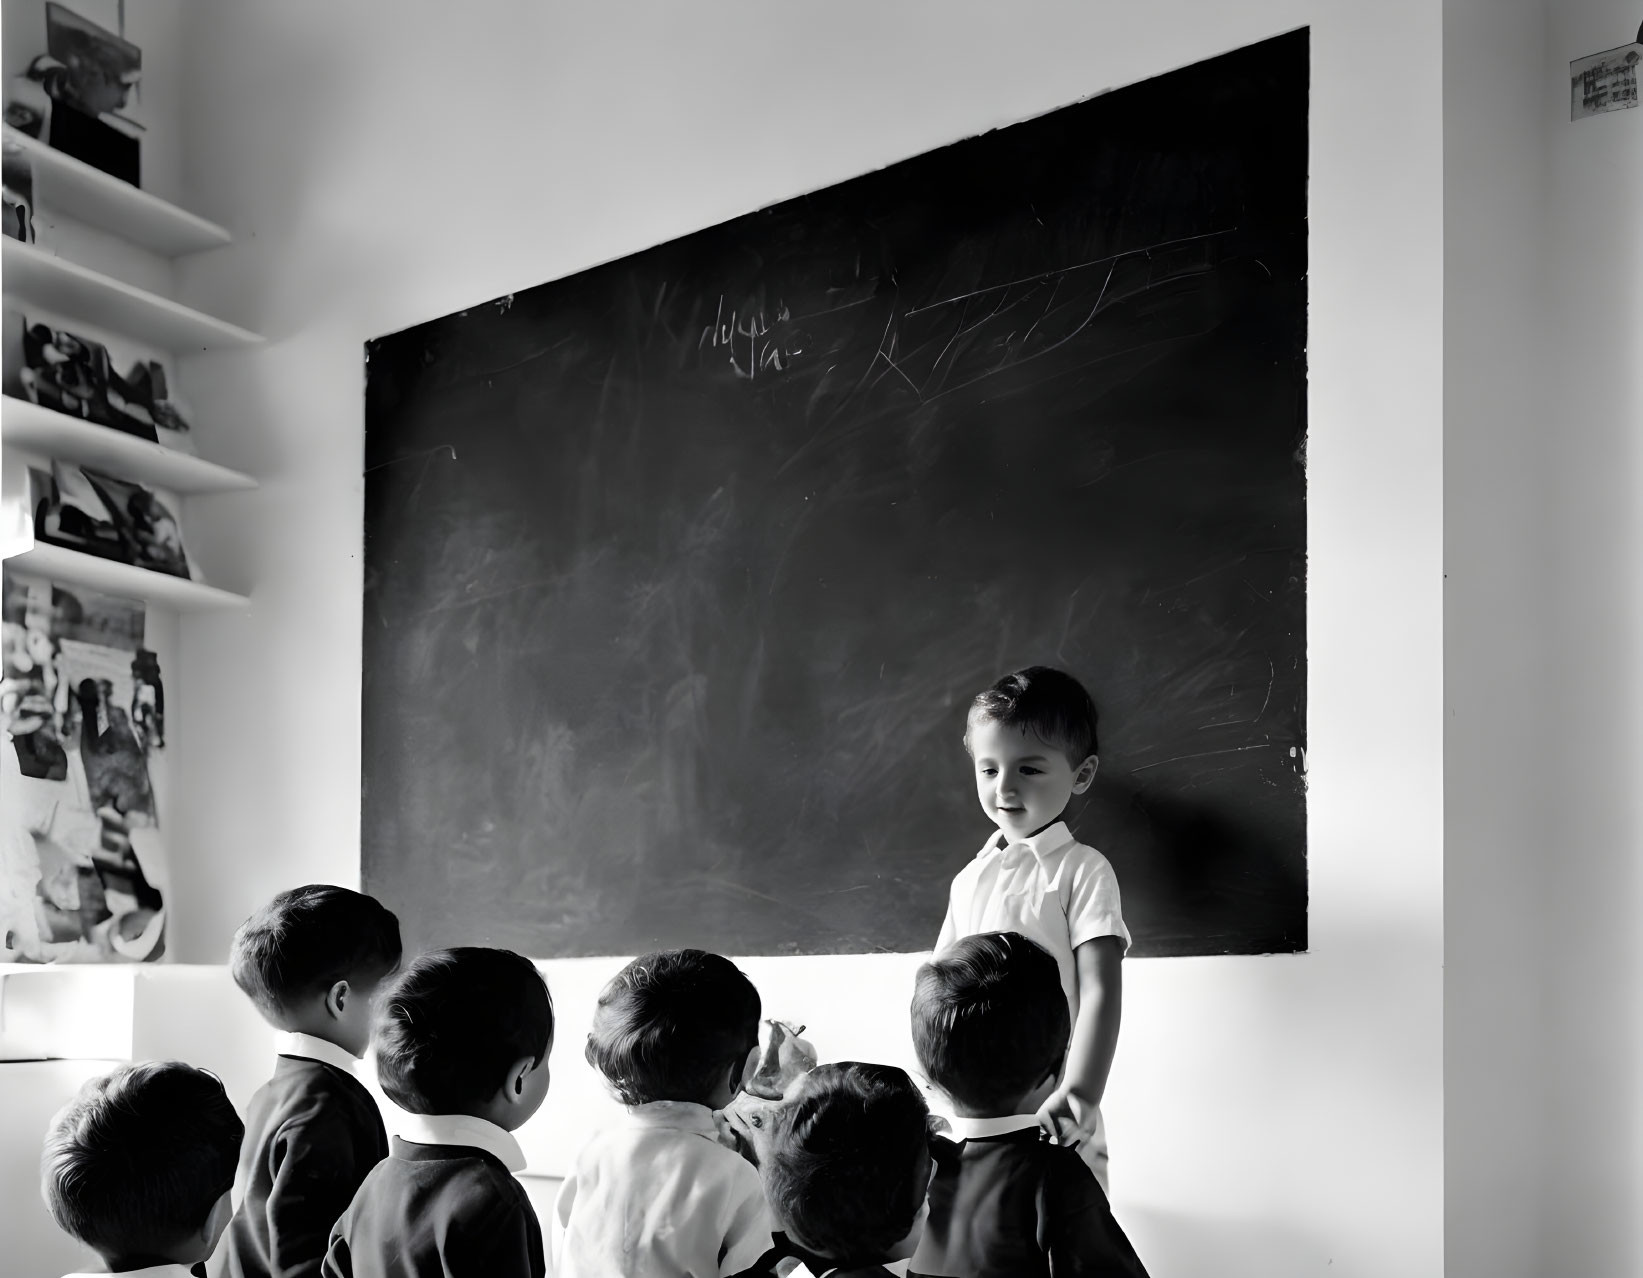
(1023, 783)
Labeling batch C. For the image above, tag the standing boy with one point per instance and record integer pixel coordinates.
(311, 960)
(139, 1167)
(462, 1043)
(1031, 737)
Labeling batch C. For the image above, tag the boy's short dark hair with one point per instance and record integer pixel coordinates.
(848, 1161)
(990, 1019)
(1042, 700)
(452, 1024)
(306, 940)
(133, 1164)
(670, 1023)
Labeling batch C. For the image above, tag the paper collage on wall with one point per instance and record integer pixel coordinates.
(81, 862)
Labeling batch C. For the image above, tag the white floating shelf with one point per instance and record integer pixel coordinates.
(34, 276)
(100, 199)
(46, 431)
(124, 580)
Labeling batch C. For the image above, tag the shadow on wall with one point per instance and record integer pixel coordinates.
(1176, 1245)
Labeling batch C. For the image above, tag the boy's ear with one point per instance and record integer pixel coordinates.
(336, 999)
(1085, 774)
(513, 1087)
(749, 1067)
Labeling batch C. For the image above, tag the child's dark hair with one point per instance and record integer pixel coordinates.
(990, 1019)
(454, 1022)
(1045, 701)
(848, 1162)
(670, 1024)
(306, 940)
(133, 1165)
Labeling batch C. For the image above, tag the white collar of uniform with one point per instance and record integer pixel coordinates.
(316, 1049)
(1052, 838)
(462, 1129)
(153, 1271)
(978, 1128)
(685, 1116)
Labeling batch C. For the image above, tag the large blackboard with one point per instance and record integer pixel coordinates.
(680, 572)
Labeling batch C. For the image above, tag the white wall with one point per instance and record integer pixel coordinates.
(1543, 271)
(1593, 605)
(386, 163)
(1496, 564)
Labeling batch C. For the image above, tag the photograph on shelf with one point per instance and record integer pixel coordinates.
(82, 866)
(96, 514)
(76, 376)
(28, 107)
(17, 190)
(88, 75)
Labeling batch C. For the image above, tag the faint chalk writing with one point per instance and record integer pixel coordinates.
(754, 342)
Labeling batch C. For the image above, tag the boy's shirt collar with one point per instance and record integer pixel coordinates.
(1052, 838)
(683, 1116)
(462, 1129)
(316, 1049)
(981, 1128)
(1023, 865)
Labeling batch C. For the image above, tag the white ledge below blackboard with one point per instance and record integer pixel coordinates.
(124, 580)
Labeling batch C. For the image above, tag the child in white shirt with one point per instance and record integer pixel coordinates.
(1031, 738)
(664, 1194)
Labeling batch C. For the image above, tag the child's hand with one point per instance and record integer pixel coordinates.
(1067, 1118)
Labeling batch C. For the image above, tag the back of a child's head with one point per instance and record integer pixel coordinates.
(990, 1020)
(134, 1165)
(454, 1022)
(1046, 702)
(305, 940)
(670, 1025)
(847, 1165)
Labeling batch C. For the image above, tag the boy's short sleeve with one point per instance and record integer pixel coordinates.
(749, 1227)
(949, 929)
(1093, 905)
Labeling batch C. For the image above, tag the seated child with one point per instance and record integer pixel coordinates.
(1031, 737)
(311, 960)
(663, 1193)
(462, 1043)
(990, 1029)
(846, 1170)
(139, 1167)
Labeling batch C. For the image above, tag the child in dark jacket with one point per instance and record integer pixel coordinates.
(990, 1026)
(462, 1043)
(139, 1167)
(845, 1168)
(311, 960)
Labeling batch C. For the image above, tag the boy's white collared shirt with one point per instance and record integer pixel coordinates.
(1050, 888)
(462, 1129)
(315, 1049)
(659, 1193)
(1053, 890)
